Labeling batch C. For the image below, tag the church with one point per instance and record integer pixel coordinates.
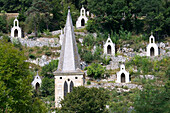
(68, 74)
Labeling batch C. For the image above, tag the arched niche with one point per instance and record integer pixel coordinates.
(108, 49)
(152, 51)
(122, 78)
(82, 22)
(71, 86)
(65, 88)
(15, 33)
(37, 86)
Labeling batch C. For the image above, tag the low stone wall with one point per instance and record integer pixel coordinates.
(50, 42)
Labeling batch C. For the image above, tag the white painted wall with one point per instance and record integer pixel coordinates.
(122, 70)
(16, 27)
(150, 45)
(109, 42)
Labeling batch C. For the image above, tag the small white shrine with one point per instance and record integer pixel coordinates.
(122, 75)
(82, 19)
(36, 83)
(16, 30)
(109, 47)
(152, 48)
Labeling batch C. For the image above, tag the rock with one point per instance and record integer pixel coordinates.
(56, 32)
(167, 48)
(151, 77)
(162, 51)
(162, 45)
(81, 40)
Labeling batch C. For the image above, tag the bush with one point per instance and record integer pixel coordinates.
(31, 50)
(48, 53)
(32, 56)
(47, 70)
(87, 56)
(96, 71)
(6, 38)
(47, 32)
(88, 82)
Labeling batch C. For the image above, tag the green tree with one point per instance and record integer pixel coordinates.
(3, 23)
(47, 87)
(40, 11)
(96, 70)
(153, 100)
(15, 81)
(48, 70)
(85, 100)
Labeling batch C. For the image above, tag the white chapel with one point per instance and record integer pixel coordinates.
(82, 19)
(16, 30)
(122, 75)
(109, 47)
(152, 48)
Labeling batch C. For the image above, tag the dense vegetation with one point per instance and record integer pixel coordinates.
(127, 22)
(16, 93)
(137, 16)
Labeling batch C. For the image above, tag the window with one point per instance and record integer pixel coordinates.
(76, 77)
(60, 77)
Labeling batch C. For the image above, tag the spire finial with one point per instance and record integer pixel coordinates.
(108, 35)
(151, 33)
(68, 7)
(82, 5)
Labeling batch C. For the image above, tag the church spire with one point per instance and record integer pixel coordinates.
(69, 58)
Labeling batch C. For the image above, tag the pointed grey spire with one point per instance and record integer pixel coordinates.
(69, 58)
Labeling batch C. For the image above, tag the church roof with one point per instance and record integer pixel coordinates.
(69, 58)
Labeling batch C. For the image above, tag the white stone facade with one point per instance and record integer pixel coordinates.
(109, 47)
(122, 75)
(63, 85)
(82, 19)
(152, 48)
(16, 30)
(36, 83)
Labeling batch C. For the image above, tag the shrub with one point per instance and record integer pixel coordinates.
(32, 56)
(39, 52)
(96, 71)
(47, 32)
(87, 56)
(47, 70)
(48, 53)
(31, 50)
(88, 82)
(6, 38)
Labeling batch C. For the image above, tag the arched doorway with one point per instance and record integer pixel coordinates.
(16, 33)
(152, 51)
(108, 49)
(82, 22)
(122, 78)
(37, 86)
(65, 88)
(71, 86)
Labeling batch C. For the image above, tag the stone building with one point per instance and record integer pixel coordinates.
(152, 48)
(122, 75)
(68, 74)
(82, 19)
(36, 83)
(109, 47)
(16, 30)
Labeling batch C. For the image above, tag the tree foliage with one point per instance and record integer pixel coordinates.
(153, 99)
(96, 71)
(85, 100)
